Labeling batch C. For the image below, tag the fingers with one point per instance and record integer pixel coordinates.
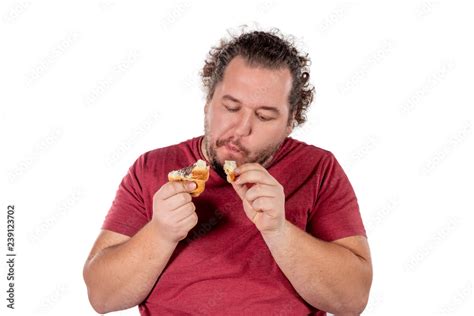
(247, 167)
(253, 173)
(263, 197)
(263, 204)
(260, 190)
(184, 211)
(178, 200)
(190, 221)
(174, 187)
(255, 176)
(240, 189)
(254, 181)
(173, 209)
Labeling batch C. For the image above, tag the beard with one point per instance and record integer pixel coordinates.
(262, 156)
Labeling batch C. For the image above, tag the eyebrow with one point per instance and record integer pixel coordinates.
(263, 107)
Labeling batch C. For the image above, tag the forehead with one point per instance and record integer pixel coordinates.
(256, 86)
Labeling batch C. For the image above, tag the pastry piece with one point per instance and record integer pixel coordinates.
(197, 172)
(229, 167)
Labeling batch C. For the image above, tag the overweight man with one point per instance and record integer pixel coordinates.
(285, 238)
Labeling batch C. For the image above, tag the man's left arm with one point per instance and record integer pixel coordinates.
(332, 276)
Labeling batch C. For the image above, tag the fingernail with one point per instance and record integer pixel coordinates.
(236, 170)
(191, 186)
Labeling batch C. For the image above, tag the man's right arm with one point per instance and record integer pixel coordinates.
(120, 270)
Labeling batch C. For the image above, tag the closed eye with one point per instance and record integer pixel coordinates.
(231, 109)
(264, 118)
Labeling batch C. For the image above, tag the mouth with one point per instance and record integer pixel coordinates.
(233, 149)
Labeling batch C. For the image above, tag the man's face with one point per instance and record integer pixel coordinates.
(247, 118)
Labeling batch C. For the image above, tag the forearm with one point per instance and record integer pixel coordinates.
(122, 276)
(328, 276)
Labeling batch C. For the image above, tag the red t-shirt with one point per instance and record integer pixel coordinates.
(224, 265)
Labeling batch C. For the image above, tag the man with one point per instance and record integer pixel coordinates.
(285, 238)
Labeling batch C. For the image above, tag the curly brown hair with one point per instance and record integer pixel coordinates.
(270, 50)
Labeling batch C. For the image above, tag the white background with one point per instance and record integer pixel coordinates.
(86, 87)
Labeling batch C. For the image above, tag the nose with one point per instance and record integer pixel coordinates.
(244, 125)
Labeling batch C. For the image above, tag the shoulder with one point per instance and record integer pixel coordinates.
(298, 151)
(167, 154)
(158, 162)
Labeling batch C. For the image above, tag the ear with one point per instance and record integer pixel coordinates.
(289, 127)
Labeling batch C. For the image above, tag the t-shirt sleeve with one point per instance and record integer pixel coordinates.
(127, 215)
(335, 213)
